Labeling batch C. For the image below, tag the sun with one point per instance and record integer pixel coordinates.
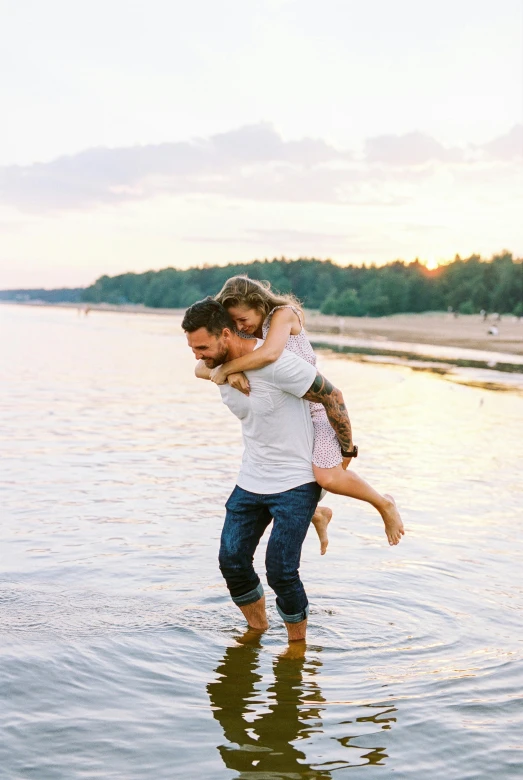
(431, 263)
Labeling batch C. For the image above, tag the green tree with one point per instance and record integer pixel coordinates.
(495, 285)
(346, 304)
(467, 307)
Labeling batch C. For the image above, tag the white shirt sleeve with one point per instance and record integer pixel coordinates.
(293, 374)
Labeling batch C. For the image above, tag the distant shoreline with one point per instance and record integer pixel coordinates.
(434, 328)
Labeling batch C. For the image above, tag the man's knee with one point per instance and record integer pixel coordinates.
(231, 554)
(235, 564)
(230, 562)
(281, 578)
(241, 579)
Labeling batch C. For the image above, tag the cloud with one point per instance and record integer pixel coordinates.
(261, 143)
(279, 236)
(409, 149)
(506, 147)
(218, 164)
(250, 163)
(301, 243)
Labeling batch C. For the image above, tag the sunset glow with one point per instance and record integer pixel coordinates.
(226, 141)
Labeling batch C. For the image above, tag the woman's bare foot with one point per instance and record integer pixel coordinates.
(392, 519)
(320, 521)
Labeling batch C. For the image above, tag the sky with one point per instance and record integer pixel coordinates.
(139, 135)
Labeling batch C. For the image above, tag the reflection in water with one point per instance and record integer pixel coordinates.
(264, 733)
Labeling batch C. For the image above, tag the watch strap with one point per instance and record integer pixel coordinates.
(350, 453)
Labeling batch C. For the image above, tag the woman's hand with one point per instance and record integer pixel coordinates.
(218, 375)
(239, 382)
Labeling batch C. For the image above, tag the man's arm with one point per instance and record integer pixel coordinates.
(201, 371)
(323, 392)
(238, 381)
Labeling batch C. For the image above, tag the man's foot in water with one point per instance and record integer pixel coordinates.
(320, 521)
(251, 636)
(295, 651)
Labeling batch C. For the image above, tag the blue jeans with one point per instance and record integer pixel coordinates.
(248, 515)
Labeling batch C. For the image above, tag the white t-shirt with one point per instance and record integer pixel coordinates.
(276, 425)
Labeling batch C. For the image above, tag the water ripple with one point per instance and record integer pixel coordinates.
(122, 655)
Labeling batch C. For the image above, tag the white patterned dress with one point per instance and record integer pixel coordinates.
(327, 451)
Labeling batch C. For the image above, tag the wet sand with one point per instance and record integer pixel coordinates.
(465, 331)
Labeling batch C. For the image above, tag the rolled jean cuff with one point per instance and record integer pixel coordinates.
(294, 618)
(250, 597)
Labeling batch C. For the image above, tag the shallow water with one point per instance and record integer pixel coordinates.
(120, 653)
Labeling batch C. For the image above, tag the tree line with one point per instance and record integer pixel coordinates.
(59, 295)
(465, 285)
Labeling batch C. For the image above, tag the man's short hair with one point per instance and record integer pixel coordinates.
(207, 314)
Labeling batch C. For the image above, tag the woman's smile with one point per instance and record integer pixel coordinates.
(245, 319)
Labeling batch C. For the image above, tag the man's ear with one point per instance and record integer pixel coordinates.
(227, 333)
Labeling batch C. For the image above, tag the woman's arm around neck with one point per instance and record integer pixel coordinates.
(283, 322)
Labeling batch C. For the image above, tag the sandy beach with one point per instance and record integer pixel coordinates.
(465, 331)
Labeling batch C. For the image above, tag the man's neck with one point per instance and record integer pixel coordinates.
(239, 347)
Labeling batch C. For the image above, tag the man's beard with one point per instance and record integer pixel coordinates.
(218, 360)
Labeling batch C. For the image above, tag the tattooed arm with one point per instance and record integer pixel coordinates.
(323, 392)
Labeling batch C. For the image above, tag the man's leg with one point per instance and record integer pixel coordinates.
(292, 512)
(255, 614)
(246, 519)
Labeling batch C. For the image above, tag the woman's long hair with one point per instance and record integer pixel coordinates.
(242, 291)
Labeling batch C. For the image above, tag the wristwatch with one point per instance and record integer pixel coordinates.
(353, 453)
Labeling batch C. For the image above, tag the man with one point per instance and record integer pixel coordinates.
(276, 481)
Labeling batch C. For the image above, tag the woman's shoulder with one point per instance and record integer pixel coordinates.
(289, 313)
(287, 307)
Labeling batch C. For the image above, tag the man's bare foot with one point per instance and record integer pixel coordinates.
(320, 521)
(251, 636)
(295, 651)
(392, 519)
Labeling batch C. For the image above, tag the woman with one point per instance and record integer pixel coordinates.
(278, 319)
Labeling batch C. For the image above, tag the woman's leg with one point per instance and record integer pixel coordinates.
(348, 483)
(320, 520)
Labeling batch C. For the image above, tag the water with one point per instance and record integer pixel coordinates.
(121, 654)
